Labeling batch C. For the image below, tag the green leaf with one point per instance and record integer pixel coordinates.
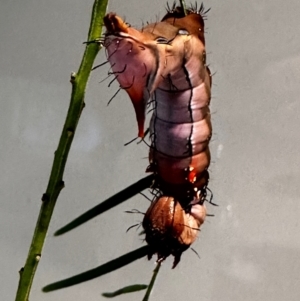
(125, 290)
(111, 202)
(99, 271)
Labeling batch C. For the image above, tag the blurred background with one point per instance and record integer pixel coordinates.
(249, 250)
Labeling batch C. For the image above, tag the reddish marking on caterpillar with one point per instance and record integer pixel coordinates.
(165, 63)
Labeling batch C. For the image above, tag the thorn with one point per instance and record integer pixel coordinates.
(45, 197)
(73, 77)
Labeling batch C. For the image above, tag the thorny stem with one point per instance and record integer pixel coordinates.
(56, 183)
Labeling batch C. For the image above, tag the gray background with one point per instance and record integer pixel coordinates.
(249, 250)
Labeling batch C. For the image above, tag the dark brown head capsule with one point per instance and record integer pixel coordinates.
(169, 229)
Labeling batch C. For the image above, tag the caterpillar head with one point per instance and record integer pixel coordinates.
(143, 60)
(169, 229)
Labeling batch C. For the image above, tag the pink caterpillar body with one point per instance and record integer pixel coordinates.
(165, 63)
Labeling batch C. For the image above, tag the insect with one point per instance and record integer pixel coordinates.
(164, 65)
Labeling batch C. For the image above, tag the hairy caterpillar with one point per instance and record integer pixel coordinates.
(164, 64)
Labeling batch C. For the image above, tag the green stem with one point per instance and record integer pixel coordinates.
(56, 183)
(151, 284)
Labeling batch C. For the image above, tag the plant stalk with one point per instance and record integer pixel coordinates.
(151, 284)
(56, 183)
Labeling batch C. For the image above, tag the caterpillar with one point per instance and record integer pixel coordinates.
(164, 65)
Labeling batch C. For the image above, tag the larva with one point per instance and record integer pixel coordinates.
(165, 63)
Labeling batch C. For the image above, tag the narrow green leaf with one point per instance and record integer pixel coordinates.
(111, 202)
(125, 290)
(99, 271)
